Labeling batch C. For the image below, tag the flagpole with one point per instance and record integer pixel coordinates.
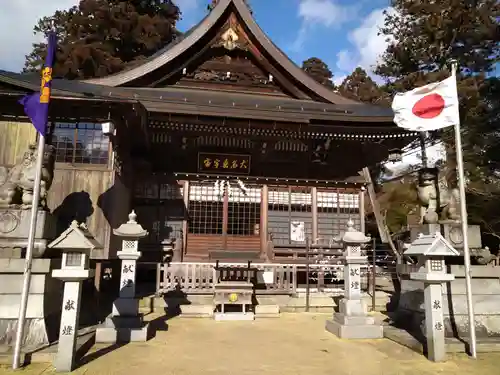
(36, 107)
(29, 253)
(465, 227)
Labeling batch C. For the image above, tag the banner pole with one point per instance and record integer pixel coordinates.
(465, 227)
(16, 363)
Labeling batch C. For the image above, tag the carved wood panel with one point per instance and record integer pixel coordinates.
(230, 68)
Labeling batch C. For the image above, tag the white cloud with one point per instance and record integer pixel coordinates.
(337, 80)
(16, 28)
(367, 44)
(325, 13)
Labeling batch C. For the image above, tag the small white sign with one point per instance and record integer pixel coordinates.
(268, 277)
(297, 231)
(265, 277)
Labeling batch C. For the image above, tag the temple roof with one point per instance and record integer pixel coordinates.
(303, 100)
(208, 102)
(186, 42)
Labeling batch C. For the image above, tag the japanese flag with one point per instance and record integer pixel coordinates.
(430, 107)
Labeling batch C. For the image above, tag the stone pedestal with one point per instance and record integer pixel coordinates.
(45, 293)
(352, 321)
(14, 228)
(125, 324)
(66, 348)
(431, 250)
(485, 296)
(76, 243)
(44, 302)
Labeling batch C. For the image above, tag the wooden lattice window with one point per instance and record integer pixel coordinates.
(80, 143)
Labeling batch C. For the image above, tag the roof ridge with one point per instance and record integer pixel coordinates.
(175, 49)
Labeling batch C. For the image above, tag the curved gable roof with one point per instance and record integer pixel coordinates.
(177, 47)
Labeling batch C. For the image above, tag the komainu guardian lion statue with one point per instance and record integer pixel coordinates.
(439, 204)
(17, 183)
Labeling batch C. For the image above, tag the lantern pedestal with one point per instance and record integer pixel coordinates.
(352, 321)
(126, 324)
(76, 244)
(431, 250)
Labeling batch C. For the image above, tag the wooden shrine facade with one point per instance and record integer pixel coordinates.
(219, 142)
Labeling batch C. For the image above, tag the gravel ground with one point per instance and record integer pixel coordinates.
(292, 344)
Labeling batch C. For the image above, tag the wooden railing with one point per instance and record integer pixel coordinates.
(200, 278)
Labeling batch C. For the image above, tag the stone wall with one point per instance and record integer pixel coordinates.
(486, 301)
(44, 302)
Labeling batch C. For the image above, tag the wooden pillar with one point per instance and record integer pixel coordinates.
(264, 205)
(375, 206)
(185, 195)
(362, 228)
(315, 235)
(225, 217)
(314, 213)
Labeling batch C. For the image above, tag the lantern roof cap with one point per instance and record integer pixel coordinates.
(353, 236)
(131, 229)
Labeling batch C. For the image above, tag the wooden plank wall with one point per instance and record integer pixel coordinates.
(77, 193)
(15, 138)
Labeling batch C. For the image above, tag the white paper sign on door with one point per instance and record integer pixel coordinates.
(297, 231)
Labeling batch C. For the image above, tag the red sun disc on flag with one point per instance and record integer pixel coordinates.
(428, 107)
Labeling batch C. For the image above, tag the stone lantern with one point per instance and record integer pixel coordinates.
(352, 321)
(76, 243)
(125, 323)
(431, 250)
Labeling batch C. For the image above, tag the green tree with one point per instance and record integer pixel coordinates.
(101, 37)
(318, 70)
(359, 86)
(423, 37)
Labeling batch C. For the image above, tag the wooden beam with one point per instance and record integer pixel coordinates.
(362, 210)
(375, 206)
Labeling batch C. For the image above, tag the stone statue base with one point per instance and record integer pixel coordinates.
(44, 302)
(14, 229)
(353, 322)
(486, 298)
(452, 232)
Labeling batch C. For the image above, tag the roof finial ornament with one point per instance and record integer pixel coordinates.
(132, 217)
(350, 226)
(212, 5)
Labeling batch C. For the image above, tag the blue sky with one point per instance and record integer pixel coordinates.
(342, 33)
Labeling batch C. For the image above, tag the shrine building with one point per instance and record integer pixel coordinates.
(219, 142)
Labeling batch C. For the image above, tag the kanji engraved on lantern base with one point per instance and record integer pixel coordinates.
(76, 243)
(431, 251)
(125, 323)
(352, 320)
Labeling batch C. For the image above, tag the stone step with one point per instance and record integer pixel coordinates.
(402, 337)
(317, 303)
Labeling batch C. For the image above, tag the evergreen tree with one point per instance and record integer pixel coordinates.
(318, 70)
(424, 36)
(359, 86)
(101, 37)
